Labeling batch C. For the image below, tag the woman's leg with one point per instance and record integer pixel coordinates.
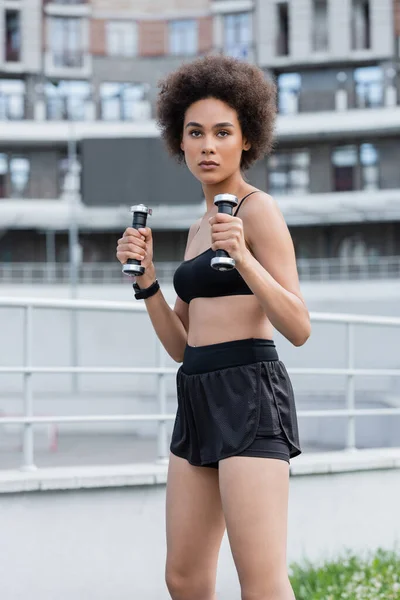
(195, 527)
(254, 494)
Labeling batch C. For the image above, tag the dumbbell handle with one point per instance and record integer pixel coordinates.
(222, 261)
(133, 266)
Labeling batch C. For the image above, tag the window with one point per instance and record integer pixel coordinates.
(351, 159)
(237, 34)
(289, 85)
(119, 101)
(353, 248)
(369, 87)
(121, 38)
(369, 161)
(183, 37)
(3, 174)
(320, 26)
(282, 41)
(12, 99)
(344, 168)
(66, 100)
(66, 41)
(12, 36)
(19, 176)
(14, 176)
(361, 25)
(289, 173)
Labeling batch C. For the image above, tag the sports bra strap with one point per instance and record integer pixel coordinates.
(239, 205)
(243, 199)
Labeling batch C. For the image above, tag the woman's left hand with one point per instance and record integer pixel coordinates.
(227, 234)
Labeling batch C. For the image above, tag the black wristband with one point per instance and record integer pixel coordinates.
(143, 293)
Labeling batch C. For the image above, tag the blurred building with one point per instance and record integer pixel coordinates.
(79, 79)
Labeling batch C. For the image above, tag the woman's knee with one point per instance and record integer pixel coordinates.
(276, 588)
(190, 587)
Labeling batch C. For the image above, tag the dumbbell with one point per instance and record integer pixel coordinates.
(222, 261)
(132, 266)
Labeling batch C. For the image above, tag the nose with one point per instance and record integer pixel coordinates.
(208, 146)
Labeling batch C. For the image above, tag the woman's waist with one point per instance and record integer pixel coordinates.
(222, 355)
(215, 320)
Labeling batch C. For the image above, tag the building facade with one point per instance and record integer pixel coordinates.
(78, 86)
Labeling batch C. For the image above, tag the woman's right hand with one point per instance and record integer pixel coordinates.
(136, 244)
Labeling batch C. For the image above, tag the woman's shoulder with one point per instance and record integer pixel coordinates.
(193, 229)
(256, 201)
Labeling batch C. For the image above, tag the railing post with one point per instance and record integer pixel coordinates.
(350, 390)
(162, 454)
(28, 440)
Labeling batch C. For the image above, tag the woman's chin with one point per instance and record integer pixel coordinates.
(210, 178)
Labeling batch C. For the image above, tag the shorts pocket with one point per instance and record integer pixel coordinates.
(184, 440)
(269, 416)
(283, 395)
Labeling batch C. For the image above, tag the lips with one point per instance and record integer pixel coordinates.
(208, 163)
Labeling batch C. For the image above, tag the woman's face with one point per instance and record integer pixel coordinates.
(212, 140)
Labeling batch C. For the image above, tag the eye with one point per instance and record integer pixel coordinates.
(225, 133)
(194, 131)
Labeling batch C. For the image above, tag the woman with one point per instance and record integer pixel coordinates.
(236, 427)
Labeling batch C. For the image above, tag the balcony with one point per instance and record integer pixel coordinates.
(68, 8)
(312, 209)
(337, 124)
(46, 133)
(341, 207)
(310, 270)
(68, 64)
(68, 58)
(12, 107)
(231, 6)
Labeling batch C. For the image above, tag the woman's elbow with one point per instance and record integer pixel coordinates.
(302, 335)
(177, 359)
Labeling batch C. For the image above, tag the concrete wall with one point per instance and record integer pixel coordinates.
(31, 35)
(45, 174)
(389, 163)
(111, 543)
(146, 69)
(117, 172)
(129, 171)
(340, 43)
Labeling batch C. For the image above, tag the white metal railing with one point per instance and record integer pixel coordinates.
(313, 269)
(28, 420)
(327, 269)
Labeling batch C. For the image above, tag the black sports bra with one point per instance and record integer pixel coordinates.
(195, 278)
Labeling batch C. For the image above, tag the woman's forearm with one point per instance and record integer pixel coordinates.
(167, 324)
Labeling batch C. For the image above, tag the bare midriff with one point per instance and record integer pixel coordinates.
(227, 318)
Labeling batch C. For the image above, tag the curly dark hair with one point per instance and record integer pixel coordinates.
(241, 85)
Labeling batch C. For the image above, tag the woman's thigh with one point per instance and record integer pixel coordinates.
(254, 493)
(195, 522)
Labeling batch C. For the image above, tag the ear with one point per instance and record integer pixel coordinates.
(246, 145)
(182, 146)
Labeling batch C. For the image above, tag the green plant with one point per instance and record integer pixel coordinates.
(375, 576)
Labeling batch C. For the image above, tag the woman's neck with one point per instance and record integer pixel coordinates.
(233, 185)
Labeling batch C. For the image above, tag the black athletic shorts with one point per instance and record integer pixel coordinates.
(234, 399)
